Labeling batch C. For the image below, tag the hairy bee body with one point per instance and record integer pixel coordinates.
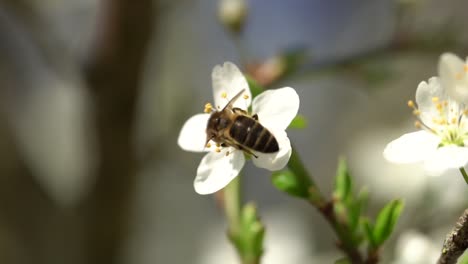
(235, 127)
(250, 133)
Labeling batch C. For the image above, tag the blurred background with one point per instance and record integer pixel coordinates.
(93, 95)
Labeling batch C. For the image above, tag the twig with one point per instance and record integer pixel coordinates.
(456, 241)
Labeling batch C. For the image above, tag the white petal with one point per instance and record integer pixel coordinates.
(425, 93)
(276, 108)
(446, 158)
(228, 80)
(216, 170)
(411, 147)
(454, 77)
(275, 161)
(192, 136)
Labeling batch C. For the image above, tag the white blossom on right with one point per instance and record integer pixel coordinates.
(442, 141)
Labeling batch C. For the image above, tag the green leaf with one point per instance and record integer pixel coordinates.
(343, 181)
(299, 122)
(289, 183)
(386, 221)
(249, 241)
(369, 232)
(255, 87)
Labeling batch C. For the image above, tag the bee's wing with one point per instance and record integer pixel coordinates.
(231, 102)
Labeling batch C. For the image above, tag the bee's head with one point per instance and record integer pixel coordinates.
(217, 122)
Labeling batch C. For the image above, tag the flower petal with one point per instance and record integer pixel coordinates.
(446, 158)
(228, 81)
(454, 77)
(411, 147)
(275, 161)
(192, 136)
(276, 108)
(216, 170)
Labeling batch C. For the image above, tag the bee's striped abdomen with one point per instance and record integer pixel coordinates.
(251, 134)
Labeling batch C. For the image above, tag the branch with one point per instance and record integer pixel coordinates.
(456, 241)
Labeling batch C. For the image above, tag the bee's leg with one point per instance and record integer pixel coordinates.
(246, 150)
(236, 110)
(255, 117)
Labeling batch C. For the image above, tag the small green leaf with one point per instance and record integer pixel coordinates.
(249, 241)
(287, 181)
(386, 221)
(369, 231)
(255, 87)
(343, 181)
(299, 122)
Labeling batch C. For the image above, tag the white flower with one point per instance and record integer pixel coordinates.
(442, 142)
(453, 74)
(275, 110)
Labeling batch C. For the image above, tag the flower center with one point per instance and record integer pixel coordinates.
(445, 118)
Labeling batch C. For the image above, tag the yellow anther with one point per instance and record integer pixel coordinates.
(411, 104)
(439, 106)
(246, 97)
(465, 112)
(208, 145)
(465, 68)
(224, 95)
(458, 76)
(445, 103)
(227, 153)
(443, 121)
(208, 108)
(435, 99)
(417, 124)
(218, 150)
(218, 145)
(416, 112)
(453, 120)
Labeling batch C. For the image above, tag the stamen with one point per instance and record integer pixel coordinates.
(411, 104)
(439, 107)
(227, 153)
(218, 145)
(465, 68)
(435, 99)
(208, 145)
(208, 108)
(417, 124)
(416, 112)
(246, 97)
(453, 120)
(218, 150)
(224, 95)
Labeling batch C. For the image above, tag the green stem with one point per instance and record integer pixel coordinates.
(464, 174)
(232, 205)
(326, 208)
(297, 167)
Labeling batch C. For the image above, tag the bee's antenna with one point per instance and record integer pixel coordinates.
(234, 99)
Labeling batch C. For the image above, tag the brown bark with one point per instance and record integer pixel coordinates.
(113, 75)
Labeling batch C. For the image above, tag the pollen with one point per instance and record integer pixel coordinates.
(218, 150)
(453, 120)
(218, 145)
(416, 112)
(435, 99)
(224, 95)
(465, 68)
(208, 145)
(417, 124)
(411, 104)
(208, 108)
(246, 97)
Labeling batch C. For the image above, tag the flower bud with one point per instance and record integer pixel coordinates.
(232, 14)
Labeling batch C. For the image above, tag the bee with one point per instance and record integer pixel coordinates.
(234, 127)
